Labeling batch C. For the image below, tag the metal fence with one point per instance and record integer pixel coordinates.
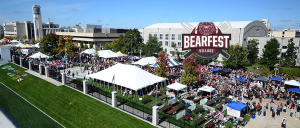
(17, 60)
(99, 94)
(35, 68)
(25, 64)
(43, 70)
(74, 84)
(142, 111)
(55, 75)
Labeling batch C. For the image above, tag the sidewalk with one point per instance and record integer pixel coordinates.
(44, 77)
(5, 121)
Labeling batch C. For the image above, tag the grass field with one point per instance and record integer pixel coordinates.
(22, 112)
(69, 107)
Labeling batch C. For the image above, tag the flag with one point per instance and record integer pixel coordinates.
(113, 79)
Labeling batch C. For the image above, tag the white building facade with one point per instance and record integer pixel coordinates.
(171, 33)
(18, 29)
(1, 30)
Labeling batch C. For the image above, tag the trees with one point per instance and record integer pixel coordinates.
(96, 52)
(162, 69)
(91, 45)
(238, 56)
(85, 46)
(49, 44)
(124, 43)
(81, 44)
(32, 40)
(270, 53)
(24, 37)
(291, 53)
(66, 42)
(152, 46)
(191, 72)
(252, 50)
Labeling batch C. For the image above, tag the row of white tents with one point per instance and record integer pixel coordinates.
(103, 53)
(152, 62)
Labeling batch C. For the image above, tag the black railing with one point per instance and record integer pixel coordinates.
(25, 64)
(17, 60)
(35, 68)
(43, 70)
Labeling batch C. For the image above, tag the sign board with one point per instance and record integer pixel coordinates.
(233, 112)
(180, 114)
(206, 40)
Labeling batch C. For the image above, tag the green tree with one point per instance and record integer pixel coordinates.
(203, 61)
(191, 72)
(91, 45)
(238, 56)
(152, 46)
(32, 40)
(265, 71)
(252, 50)
(66, 42)
(85, 46)
(162, 69)
(291, 53)
(49, 44)
(81, 45)
(96, 52)
(1, 36)
(24, 37)
(270, 53)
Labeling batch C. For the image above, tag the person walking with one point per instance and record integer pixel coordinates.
(292, 111)
(284, 120)
(73, 74)
(76, 73)
(278, 111)
(273, 114)
(265, 110)
(284, 108)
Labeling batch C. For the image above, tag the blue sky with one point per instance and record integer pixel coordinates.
(138, 14)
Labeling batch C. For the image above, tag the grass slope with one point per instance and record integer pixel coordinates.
(22, 112)
(69, 107)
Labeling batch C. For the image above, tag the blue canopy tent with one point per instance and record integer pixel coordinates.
(241, 79)
(171, 63)
(215, 69)
(297, 90)
(276, 79)
(237, 107)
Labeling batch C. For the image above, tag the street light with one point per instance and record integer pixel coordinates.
(131, 48)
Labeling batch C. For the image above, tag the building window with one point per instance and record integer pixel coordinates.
(173, 36)
(179, 36)
(257, 30)
(166, 43)
(161, 36)
(173, 43)
(167, 36)
(179, 44)
(165, 50)
(155, 35)
(284, 47)
(150, 35)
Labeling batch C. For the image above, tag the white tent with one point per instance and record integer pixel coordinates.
(207, 89)
(106, 54)
(292, 82)
(127, 76)
(177, 86)
(38, 55)
(89, 51)
(19, 45)
(146, 61)
(37, 45)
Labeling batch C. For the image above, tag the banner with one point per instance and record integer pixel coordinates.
(233, 112)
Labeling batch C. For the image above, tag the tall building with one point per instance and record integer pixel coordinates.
(18, 29)
(37, 21)
(1, 31)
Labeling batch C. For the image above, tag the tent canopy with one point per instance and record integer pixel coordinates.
(241, 79)
(215, 69)
(219, 64)
(119, 54)
(37, 45)
(146, 61)
(292, 82)
(38, 55)
(262, 78)
(128, 76)
(176, 86)
(226, 70)
(236, 105)
(212, 63)
(89, 51)
(173, 63)
(19, 45)
(207, 89)
(106, 54)
(297, 90)
(276, 78)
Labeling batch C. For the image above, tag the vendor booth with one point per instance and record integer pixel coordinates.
(177, 87)
(292, 83)
(262, 78)
(207, 89)
(235, 108)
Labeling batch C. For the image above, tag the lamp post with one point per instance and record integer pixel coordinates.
(131, 48)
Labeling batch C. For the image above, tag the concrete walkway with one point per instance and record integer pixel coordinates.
(5, 121)
(44, 78)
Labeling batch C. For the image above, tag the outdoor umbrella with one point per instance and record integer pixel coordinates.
(226, 70)
(276, 78)
(262, 78)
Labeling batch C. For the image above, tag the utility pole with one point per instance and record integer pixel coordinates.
(131, 49)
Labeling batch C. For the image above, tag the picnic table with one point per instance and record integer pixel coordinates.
(217, 99)
(180, 106)
(146, 100)
(219, 106)
(200, 120)
(156, 103)
(174, 110)
(199, 110)
(210, 103)
(187, 116)
(173, 102)
(227, 100)
(154, 94)
(163, 97)
(165, 108)
(209, 124)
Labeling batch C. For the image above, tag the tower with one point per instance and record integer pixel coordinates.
(37, 21)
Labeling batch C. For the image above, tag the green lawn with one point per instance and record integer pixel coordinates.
(22, 112)
(69, 107)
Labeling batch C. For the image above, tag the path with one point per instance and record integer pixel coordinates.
(5, 122)
(57, 83)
